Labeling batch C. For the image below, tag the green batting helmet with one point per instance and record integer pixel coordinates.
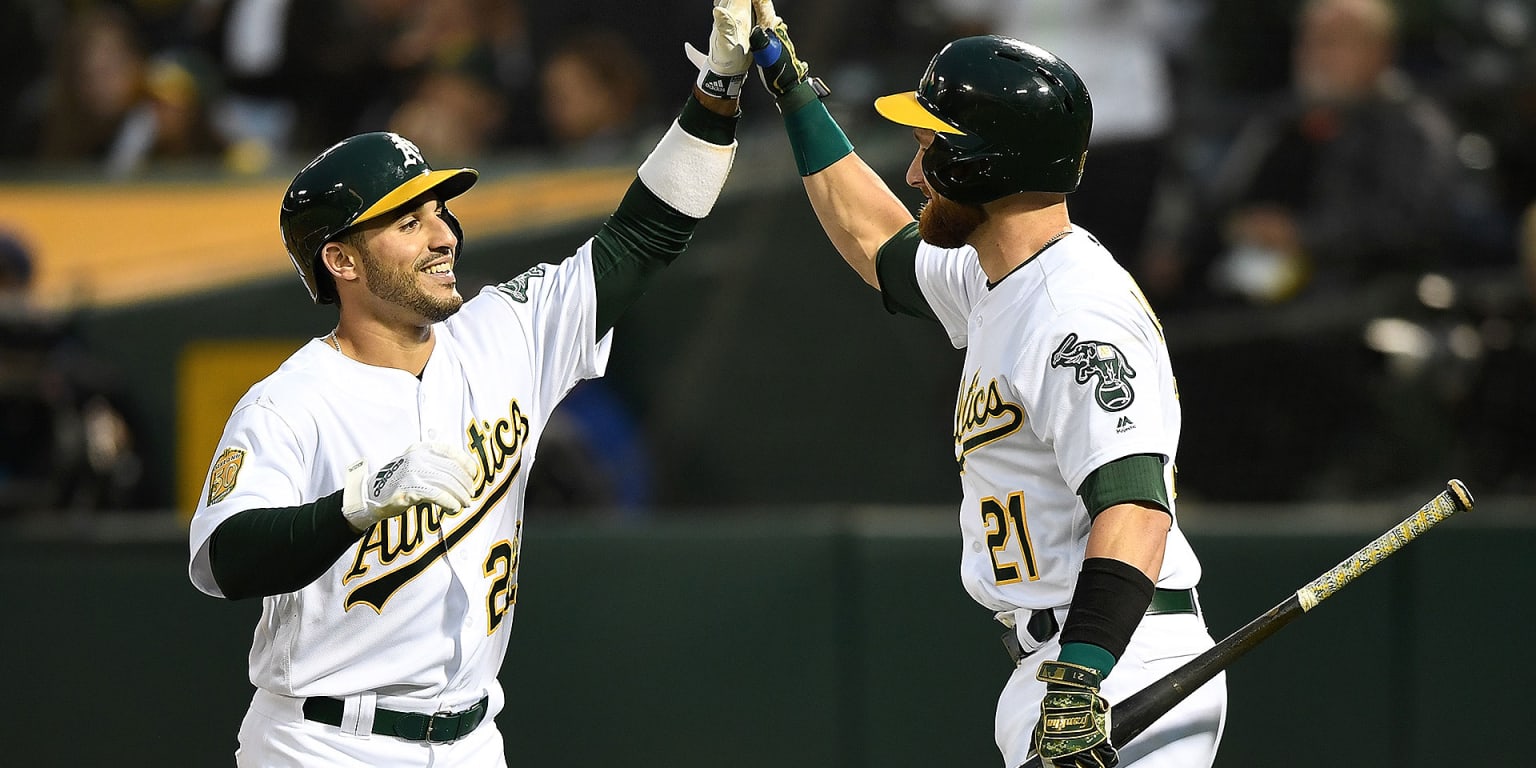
(358, 179)
(1010, 117)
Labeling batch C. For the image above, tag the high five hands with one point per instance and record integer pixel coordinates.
(782, 70)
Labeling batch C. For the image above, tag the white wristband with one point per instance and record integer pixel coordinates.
(687, 172)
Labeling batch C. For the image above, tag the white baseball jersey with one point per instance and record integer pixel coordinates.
(1065, 371)
(420, 607)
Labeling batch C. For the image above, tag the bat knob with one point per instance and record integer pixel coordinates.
(1460, 495)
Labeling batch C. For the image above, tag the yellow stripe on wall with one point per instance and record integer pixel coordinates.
(107, 245)
(211, 377)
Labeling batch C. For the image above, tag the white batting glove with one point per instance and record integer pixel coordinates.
(426, 473)
(722, 71)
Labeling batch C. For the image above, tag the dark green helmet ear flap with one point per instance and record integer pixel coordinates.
(1010, 117)
(358, 179)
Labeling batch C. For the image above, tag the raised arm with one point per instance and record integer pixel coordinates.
(858, 211)
(678, 184)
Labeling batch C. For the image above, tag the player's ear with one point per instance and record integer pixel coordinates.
(340, 261)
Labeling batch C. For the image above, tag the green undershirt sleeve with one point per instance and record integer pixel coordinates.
(640, 239)
(262, 552)
(896, 268)
(1133, 479)
(644, 234)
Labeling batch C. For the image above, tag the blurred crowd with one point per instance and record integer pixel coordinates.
(122, 87)
(1330, 201)
(1244, 151)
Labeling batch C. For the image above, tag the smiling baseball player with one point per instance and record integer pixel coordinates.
(1067, 419)
(370, 491)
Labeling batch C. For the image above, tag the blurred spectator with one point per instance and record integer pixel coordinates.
(1324, 223)
(474, 61)
(15, 272)
(96, 81)
(300, 75)
(594, 97)
(111, 106)
(509, 41)
(31, 31)
(64, 441)
(1342, 180)
(172, 122)
(452, 114)
(1488, 82)
(1124, 51)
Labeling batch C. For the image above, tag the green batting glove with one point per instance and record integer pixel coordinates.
(1073, 731)
(781, 69)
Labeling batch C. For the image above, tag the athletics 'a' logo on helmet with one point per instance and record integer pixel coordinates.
(1098, 360)
(410, 151)
(1009, 116)
(361, 178)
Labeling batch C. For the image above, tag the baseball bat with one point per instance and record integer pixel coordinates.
(1130, 717)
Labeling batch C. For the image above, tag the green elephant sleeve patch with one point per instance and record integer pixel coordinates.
(1101, 363)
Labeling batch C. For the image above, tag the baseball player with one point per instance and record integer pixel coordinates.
(370, 491)
(1067, 418)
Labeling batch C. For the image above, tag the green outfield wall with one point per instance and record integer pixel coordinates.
(818, 637)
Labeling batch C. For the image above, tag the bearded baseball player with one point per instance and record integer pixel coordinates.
(1067, 418)
(370, 491)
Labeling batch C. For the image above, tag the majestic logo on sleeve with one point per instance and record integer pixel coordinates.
(221, 480)
(1097, 359)
(517, 287)
(410, 543)
(982, 416)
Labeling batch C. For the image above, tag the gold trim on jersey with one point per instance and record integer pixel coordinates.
(500, 567)
(499, 449)
(376, 593)
(975, 410)
(394, 537)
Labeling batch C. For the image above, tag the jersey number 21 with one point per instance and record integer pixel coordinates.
(1003, 524)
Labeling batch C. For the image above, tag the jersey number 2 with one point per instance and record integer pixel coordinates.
(1003, 524)
(501, 566)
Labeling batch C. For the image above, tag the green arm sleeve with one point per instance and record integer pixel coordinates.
(644, 234)
(896, 267)
(642, 237)
(262, 552)
(1133, 479)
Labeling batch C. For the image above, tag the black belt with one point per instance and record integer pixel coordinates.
(1042, 624)
(439, 727)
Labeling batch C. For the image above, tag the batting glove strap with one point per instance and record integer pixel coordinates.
(725, 67)
(353, 507)
(781, 70)
(720, 86)
(1061, 675)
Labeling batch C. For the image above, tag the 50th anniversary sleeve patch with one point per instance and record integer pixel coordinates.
(1102, 361)
(221, 480)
